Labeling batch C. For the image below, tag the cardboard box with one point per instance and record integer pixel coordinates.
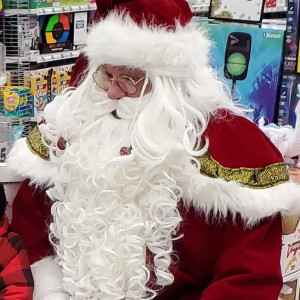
(15, 100)
(290, 255)
(80, 28)
(55, 33)
(241, 10)
(241, 57)
(291, 39)
(290, 289)
(288, 99)
(64, 76)
(43, 84)
(285, 98)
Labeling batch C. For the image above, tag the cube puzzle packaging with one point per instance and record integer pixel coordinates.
(55, 33)
(242, 60)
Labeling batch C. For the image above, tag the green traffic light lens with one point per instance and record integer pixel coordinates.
(236, 64)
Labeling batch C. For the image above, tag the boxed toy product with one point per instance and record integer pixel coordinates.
(33, 33)
(241, 57)
(79, 28)
(64, 76)
(270, 3)
(242, 10)
(42, 3)
(291, 39)
(285, 96)
(73, 2)
(13, 4)
(290, 255)
(288, 99)
(54, 35)
(15, 99)
(43, 84)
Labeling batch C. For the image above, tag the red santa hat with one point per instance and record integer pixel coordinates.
(157, 36)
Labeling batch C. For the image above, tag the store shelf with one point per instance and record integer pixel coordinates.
(275, 9)
(55, 56)
(41, 58)
(199, 8)
(7, 175)
(50, 10)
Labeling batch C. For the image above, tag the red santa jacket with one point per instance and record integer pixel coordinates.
(218, 258)
(16, 282)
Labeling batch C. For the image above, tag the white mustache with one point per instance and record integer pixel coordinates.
(125, 108)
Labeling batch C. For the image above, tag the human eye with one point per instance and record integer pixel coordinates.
(108, 75)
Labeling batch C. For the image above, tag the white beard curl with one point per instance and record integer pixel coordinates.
(109, 208)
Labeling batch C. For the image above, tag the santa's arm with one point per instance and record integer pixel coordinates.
(245, 268)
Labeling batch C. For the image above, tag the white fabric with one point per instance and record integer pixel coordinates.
(158, 51)
(47, 278)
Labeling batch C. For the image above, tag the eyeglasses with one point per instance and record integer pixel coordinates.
(126, 83)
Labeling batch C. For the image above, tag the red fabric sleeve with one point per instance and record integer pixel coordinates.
(225, 261)
(30, 216)
(249, 264)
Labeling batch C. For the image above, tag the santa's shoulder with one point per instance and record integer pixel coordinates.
(241, 173)
(235, 141)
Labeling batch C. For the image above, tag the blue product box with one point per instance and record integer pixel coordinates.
(285, 98)
(291, 39)
(249, 61)
(289, 98)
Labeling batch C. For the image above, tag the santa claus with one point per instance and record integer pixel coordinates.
(161, 189)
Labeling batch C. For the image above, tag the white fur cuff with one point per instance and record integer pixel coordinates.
(47, 278)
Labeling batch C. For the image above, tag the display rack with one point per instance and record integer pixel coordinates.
(15, 37)
(51, 10)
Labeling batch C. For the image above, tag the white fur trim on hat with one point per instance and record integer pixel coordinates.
(47, 280)
(29, 165)
(216, 195)
(118, 40)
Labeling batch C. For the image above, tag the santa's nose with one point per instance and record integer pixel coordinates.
(114, 91)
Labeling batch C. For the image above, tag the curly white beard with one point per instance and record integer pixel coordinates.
(109, 208)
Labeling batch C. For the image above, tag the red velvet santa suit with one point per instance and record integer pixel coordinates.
(216, 259)
(230, 209)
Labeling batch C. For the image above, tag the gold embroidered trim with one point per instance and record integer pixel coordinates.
(35, 144)
(258, 178)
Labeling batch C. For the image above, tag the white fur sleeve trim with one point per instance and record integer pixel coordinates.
(28, 165)
(216, 195)
(47, 280)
